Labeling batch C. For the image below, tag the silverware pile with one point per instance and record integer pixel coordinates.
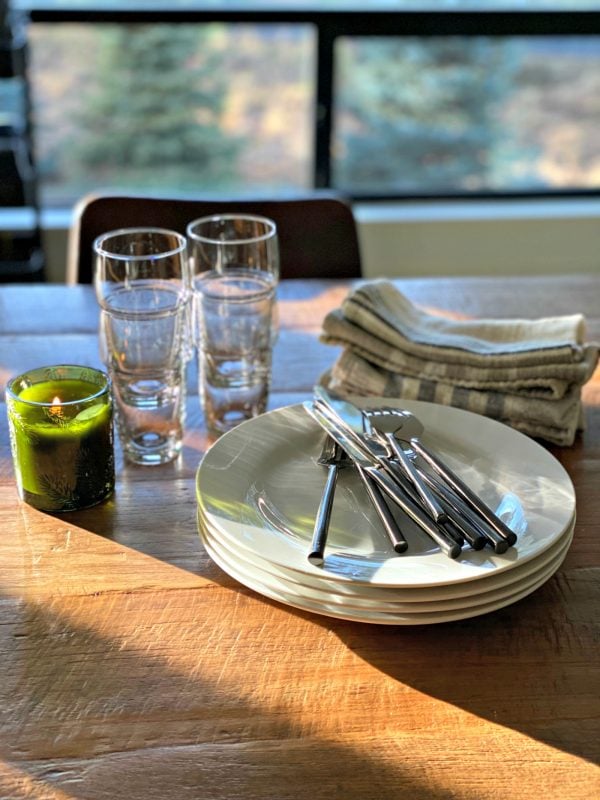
(384, 446)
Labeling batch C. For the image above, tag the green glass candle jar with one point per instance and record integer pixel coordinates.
(61, 433)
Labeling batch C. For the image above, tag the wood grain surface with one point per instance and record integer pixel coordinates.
(133, 667)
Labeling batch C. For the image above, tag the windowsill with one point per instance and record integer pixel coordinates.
(447, 211)
(499, 237)
(385, 212)
(548, 236)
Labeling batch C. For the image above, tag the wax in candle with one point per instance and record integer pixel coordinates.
(61, 435)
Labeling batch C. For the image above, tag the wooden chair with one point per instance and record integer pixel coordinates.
(317, 233)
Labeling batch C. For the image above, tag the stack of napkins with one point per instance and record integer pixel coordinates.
(526, 373)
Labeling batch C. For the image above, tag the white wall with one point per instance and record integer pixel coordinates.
(420, 239)
(501, 237)
(54, 239)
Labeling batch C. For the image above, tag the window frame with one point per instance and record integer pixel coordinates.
(331, 24)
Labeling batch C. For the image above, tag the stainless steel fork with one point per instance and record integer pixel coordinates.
(381, 424)
(333, 457)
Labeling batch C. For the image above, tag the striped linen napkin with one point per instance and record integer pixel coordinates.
(526, 373)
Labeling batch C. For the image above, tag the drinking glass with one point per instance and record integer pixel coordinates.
(143, 288)
(225, 242)
(234, 345)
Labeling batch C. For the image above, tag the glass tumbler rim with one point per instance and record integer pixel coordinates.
(265, 288)
(100, 241)
(270, 224)
(15, 397)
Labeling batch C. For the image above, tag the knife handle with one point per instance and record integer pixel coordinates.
(445, 542)
(427, 498)
(474, 528)
(386, 517)
(463, 491)
(317, 547)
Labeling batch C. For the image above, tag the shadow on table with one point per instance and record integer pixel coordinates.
(540, 680)
(129, 670)
(105, 674)
(112, 696)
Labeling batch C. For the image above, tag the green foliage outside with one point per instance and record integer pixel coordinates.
(423, 115)
(153, 119)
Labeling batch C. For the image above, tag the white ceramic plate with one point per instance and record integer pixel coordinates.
(373, 616)
(249, 573)
(260, 484)
(362, 594)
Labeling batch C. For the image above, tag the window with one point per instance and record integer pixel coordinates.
(404, 98)
(443, 115)
(198, 108)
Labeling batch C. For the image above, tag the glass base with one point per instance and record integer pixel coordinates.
(151, 449)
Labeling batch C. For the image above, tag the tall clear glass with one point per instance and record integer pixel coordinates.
(143, 287)
(234, 345)
(225, 242)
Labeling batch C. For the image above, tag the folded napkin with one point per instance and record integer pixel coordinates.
(526, 373)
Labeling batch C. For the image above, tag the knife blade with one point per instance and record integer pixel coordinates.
(371, 448)
(351, 420)
(371, 453)
(384, 481)
(345, 411)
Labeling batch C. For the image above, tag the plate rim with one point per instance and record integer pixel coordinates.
(419, 606)
(448, 591)
(385, 618)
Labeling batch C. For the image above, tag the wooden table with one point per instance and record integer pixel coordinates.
(133, 667)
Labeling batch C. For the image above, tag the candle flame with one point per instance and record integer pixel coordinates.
(56, 407)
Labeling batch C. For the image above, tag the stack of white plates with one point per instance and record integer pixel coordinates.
(259, 487)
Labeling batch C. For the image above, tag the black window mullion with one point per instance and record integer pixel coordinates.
(324, 105)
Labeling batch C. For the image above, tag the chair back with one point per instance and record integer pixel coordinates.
(317, 233)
